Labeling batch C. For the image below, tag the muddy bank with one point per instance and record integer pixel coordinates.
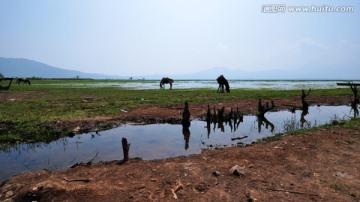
(321, 165)
(172, 113)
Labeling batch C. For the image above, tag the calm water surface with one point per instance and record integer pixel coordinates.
(212, 84)
(158, 140)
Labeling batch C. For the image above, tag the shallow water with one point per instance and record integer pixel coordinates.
(212, 84)
(157, 141)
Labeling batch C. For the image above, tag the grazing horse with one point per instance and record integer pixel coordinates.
(223, 82)
(165, 80)
(23, 80)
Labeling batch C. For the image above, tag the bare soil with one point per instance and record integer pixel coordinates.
(319, 165)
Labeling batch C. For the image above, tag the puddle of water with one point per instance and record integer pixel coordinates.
(157, 141)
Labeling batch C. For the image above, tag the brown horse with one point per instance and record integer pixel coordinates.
(23, 80)
(223, 82)
(165, 80)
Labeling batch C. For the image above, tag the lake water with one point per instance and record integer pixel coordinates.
(212, 84)
(157, 141)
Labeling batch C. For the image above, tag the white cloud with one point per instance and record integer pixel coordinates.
(313, 42)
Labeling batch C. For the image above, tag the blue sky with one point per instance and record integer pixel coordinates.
(141, 37)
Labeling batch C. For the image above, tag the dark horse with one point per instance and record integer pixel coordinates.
(165, 80)
(223, 82)
(23, 80)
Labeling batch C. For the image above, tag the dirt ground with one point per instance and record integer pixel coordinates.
(320, 165)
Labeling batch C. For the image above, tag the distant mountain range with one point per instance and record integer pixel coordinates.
(17, 67)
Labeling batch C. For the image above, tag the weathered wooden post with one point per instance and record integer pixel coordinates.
(208, 120)
(356, 100)
(304, 103)
(262, 109)
(214, 116)
(186, 124)
(353, 87)
(208, 114)
(221, 114)
(6, 79)
(126, 148)
(186, 115)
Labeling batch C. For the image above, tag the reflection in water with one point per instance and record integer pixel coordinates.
(159, 140)
(208, 84)
(186, 133)
(355, 109)
(261, 121)
(233, 118)
(186, 124)
(304, 112)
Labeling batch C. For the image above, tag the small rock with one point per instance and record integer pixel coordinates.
(216, 173)
(237, 170)
(9, 194)
(340, 174)
(338, 122)
(77, 129)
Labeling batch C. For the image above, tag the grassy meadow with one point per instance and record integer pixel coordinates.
(24, 109)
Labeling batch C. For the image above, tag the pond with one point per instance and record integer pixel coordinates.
(157, 141)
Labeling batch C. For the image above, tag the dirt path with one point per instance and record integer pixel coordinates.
(321, 165)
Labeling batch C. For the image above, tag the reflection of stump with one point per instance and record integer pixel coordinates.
(302, 118)
(186, 133)
(126, 148)
(208, 123)
(261, 121)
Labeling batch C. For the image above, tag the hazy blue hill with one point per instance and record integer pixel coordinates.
(18, 67)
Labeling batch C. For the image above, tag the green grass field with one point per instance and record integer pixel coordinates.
(43, 101)
(25, 108)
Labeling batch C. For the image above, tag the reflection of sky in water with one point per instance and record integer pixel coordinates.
(212, 84)
(153, 141)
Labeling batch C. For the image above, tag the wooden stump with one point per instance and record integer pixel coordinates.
(126, 148)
